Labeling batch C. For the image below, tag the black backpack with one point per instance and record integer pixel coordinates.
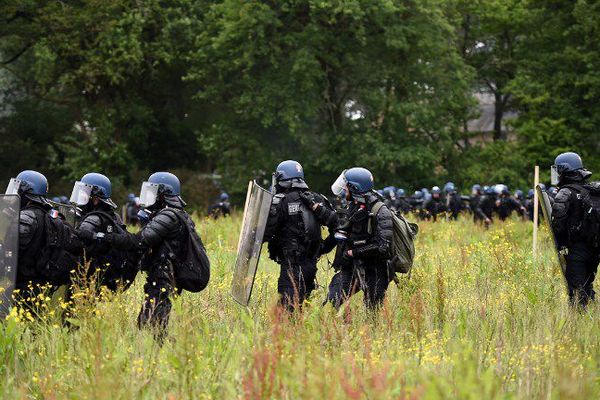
(55, 261)
(589, 195)
(193, 270)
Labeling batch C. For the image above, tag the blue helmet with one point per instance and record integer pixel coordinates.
(359, 180)
(389, 192)
(424, 190)
(567, 162)
(33, 183)
(530, 193)
(160, 190)
(131, 197)
(543, 187)
(489, 190)
(168, 183)
(30, 185)
(400, 192)
(436, 190)
(92, 185)
(101, 186)
(449, 187)
(476, 188)
(224, 196)
(519, 194)
(418, 194)
(288, 170)
(56, 200)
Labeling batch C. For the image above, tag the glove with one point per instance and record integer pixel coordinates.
(310, 200)
(86, 236)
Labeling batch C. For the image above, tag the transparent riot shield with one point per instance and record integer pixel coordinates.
(547, 213)
(9, 249)
(256, 212)
(68, 212)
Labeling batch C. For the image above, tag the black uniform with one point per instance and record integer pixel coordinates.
(369, 238)
(48, 250)
(116, 268)
(402, 205)
(294, 236)
(474, 200)
(132, 209)
(486, 207)
(220, 209)
(454, 205)
(506, 207)
(435, 206)
(567, 223)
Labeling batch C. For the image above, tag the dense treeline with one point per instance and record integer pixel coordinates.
(233, 86)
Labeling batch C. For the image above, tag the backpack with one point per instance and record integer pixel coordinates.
(55, 262)
(125, 265)
(589, 195)
(403, 245)
(193, 271)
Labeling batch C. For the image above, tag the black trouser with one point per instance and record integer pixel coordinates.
(160, 285)
(582, 264)
(296, 282)
(348, 281)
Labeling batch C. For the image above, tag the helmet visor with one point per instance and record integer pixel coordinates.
(13, 186)
(339, 186)
(148, 194)
(81, 194)
(554, 175)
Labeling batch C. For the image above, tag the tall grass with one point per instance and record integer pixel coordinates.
(478, 319)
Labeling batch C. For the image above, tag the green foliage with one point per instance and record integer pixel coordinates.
(232, 87)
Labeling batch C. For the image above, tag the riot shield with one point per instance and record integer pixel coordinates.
(547, 212)
(66, 211)
(9, 249)
(256, 212)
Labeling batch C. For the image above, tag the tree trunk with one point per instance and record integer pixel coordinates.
(499, 104)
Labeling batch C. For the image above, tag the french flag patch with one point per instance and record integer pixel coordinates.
(54, 213)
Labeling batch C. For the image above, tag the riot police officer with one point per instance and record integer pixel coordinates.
(402, 204)
(48, 247)
(365, 242)
(222, 208)
(506, 204)
(487, 205)
(454, 203)
(474, 199)
(576, 236)
(293, 233)
(115, 268)
(416, 203)
(174, 251)
(132, 208)
(435, 205)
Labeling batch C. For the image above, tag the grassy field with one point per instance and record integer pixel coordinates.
(478, 319)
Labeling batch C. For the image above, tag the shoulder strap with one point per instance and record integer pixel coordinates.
(374, 211)
(110, 218)
(376, 208)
